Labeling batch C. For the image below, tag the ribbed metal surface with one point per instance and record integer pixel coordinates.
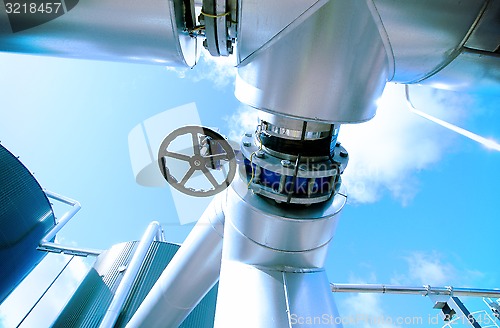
(156, 260)
(90, 302)
(25, 217)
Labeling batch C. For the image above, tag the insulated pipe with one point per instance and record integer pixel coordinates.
(272, 272)
(46, 244)
(147, 31)
(152, 232)
(192, 272)
(424, 290)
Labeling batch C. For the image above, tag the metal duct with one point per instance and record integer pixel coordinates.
(190, 275)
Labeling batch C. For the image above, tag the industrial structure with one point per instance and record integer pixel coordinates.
(308, 67)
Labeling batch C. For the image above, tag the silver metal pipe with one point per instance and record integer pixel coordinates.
(312, 60)
(489, 143)
(424, 290)
(192, 272)
(152, 232)
(147, 31)
(47, 245)
(272, 262)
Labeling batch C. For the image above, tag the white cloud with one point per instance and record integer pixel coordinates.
(364, 310)
(386, 152)
(430, 269)
(244, 119)
(180, 71)
(220, 70)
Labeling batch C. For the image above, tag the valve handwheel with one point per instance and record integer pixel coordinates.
(209, 154)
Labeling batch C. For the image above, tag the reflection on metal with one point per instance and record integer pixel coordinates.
(25, 217)
(148, 31)
(90, 302)
(45, 291)
(471, 71)
(273, 258)
(425, 36)
(489, 143)
(152, 233)
(316, 68)
(189, 276)
(486, 35)
(412, 290)
(46, 244)
(317, 64)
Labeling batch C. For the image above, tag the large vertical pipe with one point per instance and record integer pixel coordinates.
(189, 276)
(330, 65)
(272, 271)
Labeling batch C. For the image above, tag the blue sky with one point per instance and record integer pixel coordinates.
(423, 204)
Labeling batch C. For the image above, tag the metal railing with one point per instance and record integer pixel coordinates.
(47, 245)
(423, 290)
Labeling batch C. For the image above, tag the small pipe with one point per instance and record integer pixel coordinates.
(47, 245)
(489, 143)
(123, 290)
(424, 290)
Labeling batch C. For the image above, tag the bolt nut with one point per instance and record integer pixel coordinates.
(260, 154)
(246, 144)
(286, 163)
(248, 134)
(343, 154)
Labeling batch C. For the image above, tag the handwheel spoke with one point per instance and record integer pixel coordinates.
(196, 143)
(186, 177)
(210, 177)
(181, 157)
(217, 157)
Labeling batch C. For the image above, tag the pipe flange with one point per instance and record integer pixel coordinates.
(218, 17)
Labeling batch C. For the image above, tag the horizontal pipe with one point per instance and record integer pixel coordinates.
(152, 232)
(424, 290)
(69, 250)
(47, 245)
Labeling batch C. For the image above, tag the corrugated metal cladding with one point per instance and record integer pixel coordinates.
(25, 217)
(91, 300)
